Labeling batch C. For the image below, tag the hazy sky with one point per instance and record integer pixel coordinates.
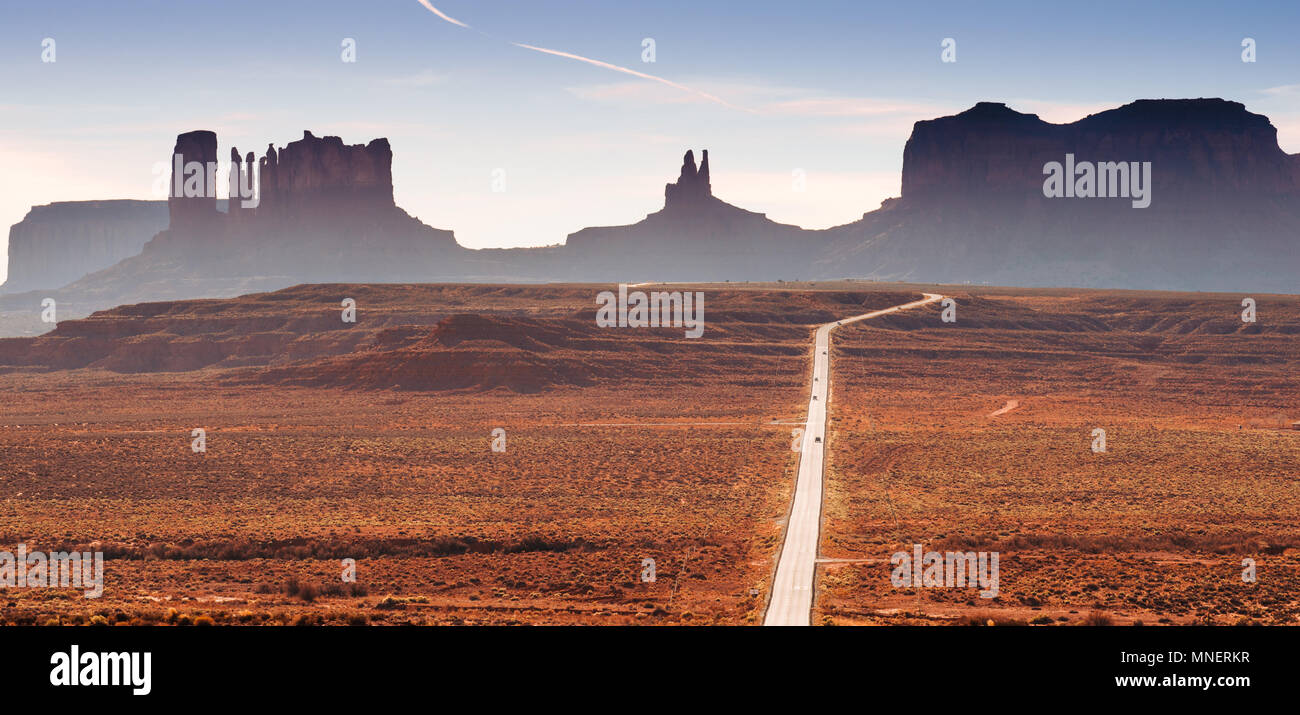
(829, 88)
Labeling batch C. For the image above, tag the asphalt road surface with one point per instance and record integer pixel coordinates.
(792, 589)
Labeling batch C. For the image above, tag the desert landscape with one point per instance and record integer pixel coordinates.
(327, 440)
(978, 435)
(372, 441)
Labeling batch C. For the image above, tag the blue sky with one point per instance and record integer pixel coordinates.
(828, 88)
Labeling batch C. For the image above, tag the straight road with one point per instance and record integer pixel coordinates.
(792, 589)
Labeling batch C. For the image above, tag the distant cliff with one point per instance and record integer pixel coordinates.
(58, 243)
(1224, 210)
(325, 213)
(1196, 147)
(1223, 215)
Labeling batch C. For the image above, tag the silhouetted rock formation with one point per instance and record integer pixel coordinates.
(191, 197)
(1196, 147)
(58, 243)
(241, 176)
(693, 185)
(325, 213)
(1224, 215)
(696, 236)
(1224, 209)
(316, 174)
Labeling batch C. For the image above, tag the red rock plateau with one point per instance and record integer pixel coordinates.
(424, 337)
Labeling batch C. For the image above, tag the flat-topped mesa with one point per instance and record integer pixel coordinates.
(191, 195)
(692, 185)
(1198, 148)
(61, 242)
(317, 175)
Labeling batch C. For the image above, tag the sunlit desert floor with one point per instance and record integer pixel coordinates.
(1201, 468)
(620, 446)
(373, 442)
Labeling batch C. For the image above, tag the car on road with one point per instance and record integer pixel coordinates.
(818, 440)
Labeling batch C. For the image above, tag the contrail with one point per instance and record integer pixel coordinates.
(442, 14)
(632, 72)
(597, 63)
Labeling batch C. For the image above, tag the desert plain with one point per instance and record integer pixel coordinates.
(373, 441)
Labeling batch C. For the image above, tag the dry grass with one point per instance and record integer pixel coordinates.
(1197, 475)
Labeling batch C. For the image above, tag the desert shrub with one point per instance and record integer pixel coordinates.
(1230, 543)
(333, 548)
(1097, 618)
(988, 619)
(332, 588)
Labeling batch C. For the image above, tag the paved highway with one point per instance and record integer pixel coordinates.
(792, 590)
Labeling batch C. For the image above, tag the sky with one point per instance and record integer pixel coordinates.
(517, 122)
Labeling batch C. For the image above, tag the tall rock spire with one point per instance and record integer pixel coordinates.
(692, 185)
(192, 196)
(268, 177)
(233, 206)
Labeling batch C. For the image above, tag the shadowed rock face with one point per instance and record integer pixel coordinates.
(1224, 211)
(314, 175)
(325, 213)
(1224, 215)
(692, 187)
(1196, 147)
(189, 211)
(696, 236)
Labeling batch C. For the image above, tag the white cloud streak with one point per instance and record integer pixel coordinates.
(634, 73)
(599, 63)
